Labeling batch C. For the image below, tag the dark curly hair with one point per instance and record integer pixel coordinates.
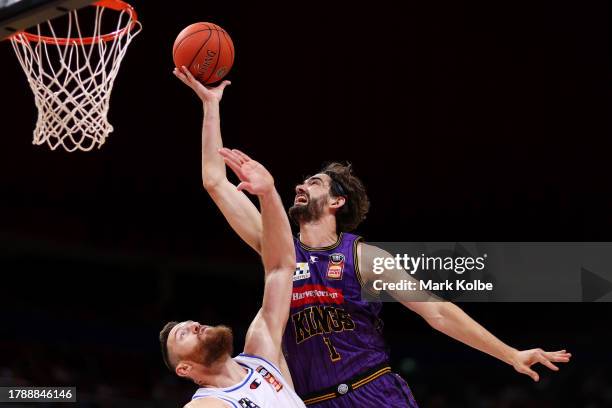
(345, 183)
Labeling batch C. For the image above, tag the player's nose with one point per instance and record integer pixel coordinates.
(299, 189)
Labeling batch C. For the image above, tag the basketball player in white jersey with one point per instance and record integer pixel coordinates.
(203, 353)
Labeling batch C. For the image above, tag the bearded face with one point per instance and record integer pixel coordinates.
(215, 344)
(306, 208)
(197, 343)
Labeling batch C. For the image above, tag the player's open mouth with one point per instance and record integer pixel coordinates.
(301, 199)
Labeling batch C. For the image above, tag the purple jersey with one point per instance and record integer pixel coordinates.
(332, 335)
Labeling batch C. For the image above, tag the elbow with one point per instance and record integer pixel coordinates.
(284, 268)
(437, 322)
(434, 314)
(289, 262)
(284, 262)
(211, 182)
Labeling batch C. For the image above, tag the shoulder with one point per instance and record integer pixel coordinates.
(368, 252)
(367, 256)
(265, 367)
(253, 360)
(208, 402)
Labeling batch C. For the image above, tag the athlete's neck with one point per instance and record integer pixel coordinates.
(319, 233)
(220, 375)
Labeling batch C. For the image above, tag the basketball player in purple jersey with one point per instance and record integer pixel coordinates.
(333, 343)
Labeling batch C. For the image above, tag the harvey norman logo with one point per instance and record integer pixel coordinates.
(313, 294)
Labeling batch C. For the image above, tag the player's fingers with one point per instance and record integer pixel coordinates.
(232, 162)
(230, 158)
(185, 76)
(187, 73)
(548, 364)
(179, 74)
(228, 154)
(242, 155)
(235, 167)
(245, 186)
(225, 152)
(534, 376)
(559, 357)
(561, 353)
(224, 84)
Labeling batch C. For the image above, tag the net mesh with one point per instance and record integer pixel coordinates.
(72, 80)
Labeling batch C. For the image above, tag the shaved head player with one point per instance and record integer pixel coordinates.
(334, 345)
(202, 353)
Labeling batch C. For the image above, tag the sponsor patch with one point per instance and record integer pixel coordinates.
(335, 267)
(269, 378)
(302, 271)
(316, 294)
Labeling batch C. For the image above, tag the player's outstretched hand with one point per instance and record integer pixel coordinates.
(206, 94)
(254, 177)
(523, 360)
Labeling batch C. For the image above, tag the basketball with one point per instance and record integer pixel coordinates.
(206, 50)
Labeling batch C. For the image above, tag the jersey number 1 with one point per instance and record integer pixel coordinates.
(333, 354)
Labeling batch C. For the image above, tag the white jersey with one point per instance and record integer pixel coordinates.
(262, 387)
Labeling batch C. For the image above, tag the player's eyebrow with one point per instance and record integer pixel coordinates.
(179, 328)
(314, 178)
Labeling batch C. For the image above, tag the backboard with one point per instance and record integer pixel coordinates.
(17, 15)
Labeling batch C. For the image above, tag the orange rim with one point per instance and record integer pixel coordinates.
(116, 5)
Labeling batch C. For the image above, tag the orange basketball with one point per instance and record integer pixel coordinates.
(206, 50)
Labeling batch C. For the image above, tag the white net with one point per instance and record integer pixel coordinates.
(72, 76)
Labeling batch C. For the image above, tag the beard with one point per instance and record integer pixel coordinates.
(217, 344)
(306, 213)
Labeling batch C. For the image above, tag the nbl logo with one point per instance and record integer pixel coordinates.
(335, 267)
(221, 72)
(337, 258)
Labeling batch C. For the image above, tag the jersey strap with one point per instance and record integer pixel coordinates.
(217, 396)
(227, 400)
(218, 392)
(261, 359)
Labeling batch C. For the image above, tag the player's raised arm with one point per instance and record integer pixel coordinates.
(278, 254)
(449, 319)
(239, 211)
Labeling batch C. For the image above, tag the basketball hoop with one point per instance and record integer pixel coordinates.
(72, 76)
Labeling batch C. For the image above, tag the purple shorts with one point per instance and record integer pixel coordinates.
(389, 390)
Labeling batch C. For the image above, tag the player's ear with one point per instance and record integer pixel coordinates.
(337, 202)
(182, 369)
